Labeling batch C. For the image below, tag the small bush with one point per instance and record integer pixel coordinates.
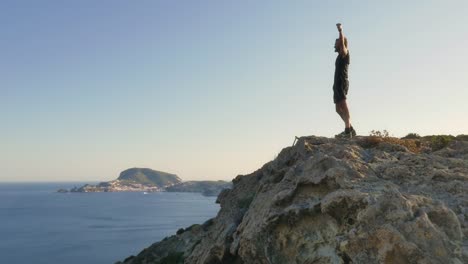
(172, 258)
(440, 141)
(245, 202)
(207, 224)
(376, 137)
(411, 136)
(370, 141)
(191, 227)
(180, 231)
(462, 137)
(413, 142)
(378, 133)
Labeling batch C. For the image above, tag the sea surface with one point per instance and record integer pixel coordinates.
(39, 225)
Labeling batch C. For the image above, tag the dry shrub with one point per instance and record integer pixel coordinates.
(377, 137)
(370, 141)
(413, 142)
(412, 145)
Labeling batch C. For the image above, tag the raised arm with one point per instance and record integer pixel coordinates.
(344, 49)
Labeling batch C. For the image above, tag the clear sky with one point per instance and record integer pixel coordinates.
(215, 88)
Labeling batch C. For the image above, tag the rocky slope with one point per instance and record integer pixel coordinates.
(336, 201)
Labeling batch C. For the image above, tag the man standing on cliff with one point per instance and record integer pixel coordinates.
(341, 83)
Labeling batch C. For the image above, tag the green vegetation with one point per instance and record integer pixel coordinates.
(376, 137)
(413, 141)
(437, 142)
(378, 133)
(411, 136)
(172, 258)
(462, 137)
(191, 227)
(207, 224)
(245, 202)
(180, 231)
(149, 177)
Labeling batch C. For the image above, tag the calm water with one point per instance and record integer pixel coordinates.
(38, 225)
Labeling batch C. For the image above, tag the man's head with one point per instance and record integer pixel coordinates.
(338, 47)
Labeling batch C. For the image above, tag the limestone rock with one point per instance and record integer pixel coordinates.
(336, 201)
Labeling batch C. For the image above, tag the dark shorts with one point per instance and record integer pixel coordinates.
(339, 92)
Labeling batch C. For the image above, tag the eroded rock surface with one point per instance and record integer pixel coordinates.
(332, 201)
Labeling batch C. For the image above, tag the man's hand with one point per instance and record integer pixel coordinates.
(343, 50)
(339, 27)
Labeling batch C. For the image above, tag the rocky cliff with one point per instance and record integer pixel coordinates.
(336, 201)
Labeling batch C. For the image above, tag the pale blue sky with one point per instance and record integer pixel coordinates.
(213, 89)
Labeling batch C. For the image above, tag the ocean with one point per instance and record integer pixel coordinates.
(39, 225)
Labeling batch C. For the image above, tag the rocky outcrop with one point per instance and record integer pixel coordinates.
(336, 201)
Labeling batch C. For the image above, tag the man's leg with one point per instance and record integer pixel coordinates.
(339, 111)
(342, 106)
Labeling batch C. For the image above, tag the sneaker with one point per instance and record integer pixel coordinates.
(353, 132)
(345, 134)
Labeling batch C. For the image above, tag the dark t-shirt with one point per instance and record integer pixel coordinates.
(341, 73)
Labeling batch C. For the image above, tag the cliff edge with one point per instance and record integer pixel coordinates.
(326, 200)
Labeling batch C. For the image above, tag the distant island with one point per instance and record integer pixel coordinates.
(207, 188)
(148, 180)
